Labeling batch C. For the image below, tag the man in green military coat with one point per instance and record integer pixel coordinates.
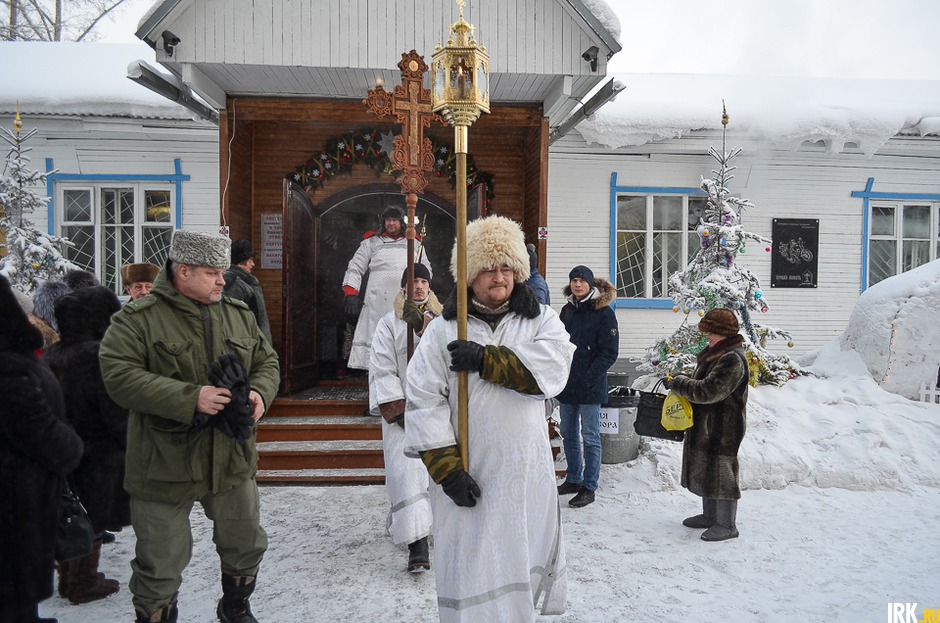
(155, 359)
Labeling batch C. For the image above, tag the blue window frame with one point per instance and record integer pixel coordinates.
(652, 235)
(901, 231)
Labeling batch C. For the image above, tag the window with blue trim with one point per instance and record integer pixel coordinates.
(655, 238)
(112, 224)
(903, 235)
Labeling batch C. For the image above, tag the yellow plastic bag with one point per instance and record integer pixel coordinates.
(677, 413)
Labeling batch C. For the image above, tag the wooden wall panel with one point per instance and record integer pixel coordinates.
(272, 137)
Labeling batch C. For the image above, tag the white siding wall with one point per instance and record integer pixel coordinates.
(794, 184)
(521, 36)
(132, 147)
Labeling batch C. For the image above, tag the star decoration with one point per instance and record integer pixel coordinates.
(387, 143)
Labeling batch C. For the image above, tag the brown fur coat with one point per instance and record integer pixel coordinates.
(718, 393)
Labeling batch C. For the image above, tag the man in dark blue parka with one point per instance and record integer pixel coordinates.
(592, 324)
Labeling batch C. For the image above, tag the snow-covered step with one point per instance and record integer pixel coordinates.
(368, 476)
(319, 428)
(338, 454)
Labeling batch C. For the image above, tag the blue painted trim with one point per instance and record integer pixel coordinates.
(624, 303)
(50, 207)
(867, 195)
(177, 178)
(630, 303)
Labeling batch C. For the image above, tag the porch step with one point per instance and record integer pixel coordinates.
(300, 455)
(321, 476)
(319, 428)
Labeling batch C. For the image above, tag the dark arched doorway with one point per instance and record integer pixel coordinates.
(325, 237)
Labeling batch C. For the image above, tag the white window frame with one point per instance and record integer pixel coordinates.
(650, 232)
(95, 189)
(898, 236)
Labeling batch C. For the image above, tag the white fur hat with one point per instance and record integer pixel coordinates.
(491, 242)
(198, 248)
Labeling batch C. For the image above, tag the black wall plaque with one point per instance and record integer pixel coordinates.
(794, 255)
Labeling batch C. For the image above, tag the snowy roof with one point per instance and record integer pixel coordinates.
(783, 110)
(68, 78)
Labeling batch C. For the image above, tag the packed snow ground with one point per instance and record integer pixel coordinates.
(838, 519)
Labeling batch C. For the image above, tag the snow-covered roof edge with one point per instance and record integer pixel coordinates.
(782, 110)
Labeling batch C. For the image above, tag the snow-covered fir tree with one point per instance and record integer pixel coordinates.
(714, 279)
(29, 255)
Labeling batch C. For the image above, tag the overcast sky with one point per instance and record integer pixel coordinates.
(882, 39)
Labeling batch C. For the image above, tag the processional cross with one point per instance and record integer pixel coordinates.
(412, 153)
(411, 104)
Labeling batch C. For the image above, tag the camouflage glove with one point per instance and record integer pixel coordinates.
(413, 316)
(466, 355)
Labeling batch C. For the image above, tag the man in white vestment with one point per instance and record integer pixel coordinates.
(406, 478)
(383, 255)
(499, 554)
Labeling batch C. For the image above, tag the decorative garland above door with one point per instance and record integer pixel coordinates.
(371, 148)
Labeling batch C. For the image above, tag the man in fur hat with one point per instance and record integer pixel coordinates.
(718, 393)
(406, 479)
(592, 324)
(138, 279)
(499, 549)
(383, 255)
(241, 284)
(191, 439)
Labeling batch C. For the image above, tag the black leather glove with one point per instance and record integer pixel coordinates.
(351, 307)
(235, 419)
(461, 488)
(667, 382)
(466, 355)
(413, 316)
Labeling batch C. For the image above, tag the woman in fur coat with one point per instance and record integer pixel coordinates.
(83, 316)
(718, 393)
(37, 448)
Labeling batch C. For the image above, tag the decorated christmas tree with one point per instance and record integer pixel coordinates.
(714, 279)
(29, 255)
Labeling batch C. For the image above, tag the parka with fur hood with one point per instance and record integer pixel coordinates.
(592, 325)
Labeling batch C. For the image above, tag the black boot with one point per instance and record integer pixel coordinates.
(234, 606)
(724, 527)
(167, 614)
(419, 558)
(706, 519)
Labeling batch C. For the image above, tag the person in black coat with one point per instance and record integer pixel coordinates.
(83, 316)
(37, 448)
(592, 325)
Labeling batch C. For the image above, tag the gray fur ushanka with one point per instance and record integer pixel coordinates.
(718, 393)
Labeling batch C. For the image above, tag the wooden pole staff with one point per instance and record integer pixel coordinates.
(411, 201)
(463, 424)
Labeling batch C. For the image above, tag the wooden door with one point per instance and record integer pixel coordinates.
(300, 369)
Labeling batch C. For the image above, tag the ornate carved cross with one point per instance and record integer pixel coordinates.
(411, 104)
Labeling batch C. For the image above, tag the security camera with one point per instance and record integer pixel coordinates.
(590, 55)
(170, 41)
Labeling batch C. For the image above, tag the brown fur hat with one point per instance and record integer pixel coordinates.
(137, 273)
(491, 242)
(720, 321)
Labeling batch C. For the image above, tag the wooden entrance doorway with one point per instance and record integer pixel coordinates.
(320, 239)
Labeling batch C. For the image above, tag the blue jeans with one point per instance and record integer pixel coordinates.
(582, 422)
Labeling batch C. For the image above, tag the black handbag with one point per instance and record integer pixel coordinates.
(649, 417)
(75, 535)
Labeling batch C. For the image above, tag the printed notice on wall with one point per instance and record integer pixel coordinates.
(272, 240)
(795, 253)
(610, 421)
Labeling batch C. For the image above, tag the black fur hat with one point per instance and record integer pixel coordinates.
(44, 298)
(242, 251)
(85, 314)
(76, 279)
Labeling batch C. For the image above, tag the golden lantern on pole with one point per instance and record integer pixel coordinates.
(460, 91)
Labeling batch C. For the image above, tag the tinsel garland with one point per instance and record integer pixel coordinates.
(341, 153)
